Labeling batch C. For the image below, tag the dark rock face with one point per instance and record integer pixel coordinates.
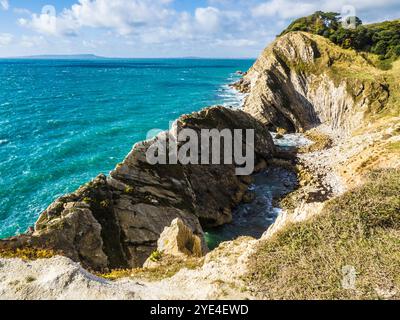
(115, 221)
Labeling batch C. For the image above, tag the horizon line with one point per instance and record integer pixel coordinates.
(94, 57)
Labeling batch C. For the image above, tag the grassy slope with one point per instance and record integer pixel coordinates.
(380, 38)
(356, 68)
(359, 229)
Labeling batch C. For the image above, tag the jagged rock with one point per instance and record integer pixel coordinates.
(180, 241)
(78, 225)
(242, 85)
(116, 221)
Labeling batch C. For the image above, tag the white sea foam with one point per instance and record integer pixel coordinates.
(230, 96)
(4, 141)
(291, 140)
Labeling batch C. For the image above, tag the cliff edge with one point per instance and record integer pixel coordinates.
(300, 83)
(114, 222)
(303, 80)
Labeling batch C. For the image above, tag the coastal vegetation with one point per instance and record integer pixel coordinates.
(27, 253)
(360, 229)
(382, 39)
(320, 142)
(166, 267)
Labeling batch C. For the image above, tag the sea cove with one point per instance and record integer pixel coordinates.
(62, 122)
(317, 218)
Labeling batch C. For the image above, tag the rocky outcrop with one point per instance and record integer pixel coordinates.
(178, 240)
(116, 221)
(302, 80)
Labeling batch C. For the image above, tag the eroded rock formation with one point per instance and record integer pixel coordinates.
(180, 241)
(302, 80)
(115, 221)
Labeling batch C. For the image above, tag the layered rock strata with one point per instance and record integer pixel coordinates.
(300, 81)
(115, 221)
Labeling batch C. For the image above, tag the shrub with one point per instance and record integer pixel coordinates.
(156, 256)
(382, 39)
(27, 253)
(167, 268)
(320, 142)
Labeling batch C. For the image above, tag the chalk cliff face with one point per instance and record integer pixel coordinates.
(115, 221)
(302, 80)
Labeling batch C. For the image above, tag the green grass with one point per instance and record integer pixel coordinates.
(382, 39)
(361, 68)
(359, 229)
(394, 146)
(27, 253)
(393, 79)
(168, 266)
(156, 256)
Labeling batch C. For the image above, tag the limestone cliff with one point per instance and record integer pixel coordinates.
(115, 221)
(303, 80)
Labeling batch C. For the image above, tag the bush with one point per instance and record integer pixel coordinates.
(156, 256)
(396, 50)
(27, 253)
(382, 39)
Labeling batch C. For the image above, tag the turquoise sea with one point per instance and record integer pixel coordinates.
(62, 122)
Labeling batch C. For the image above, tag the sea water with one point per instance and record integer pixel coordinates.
(64, 122)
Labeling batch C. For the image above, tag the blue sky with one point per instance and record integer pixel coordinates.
(161, 28)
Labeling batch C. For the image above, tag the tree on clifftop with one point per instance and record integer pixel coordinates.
(382, 39)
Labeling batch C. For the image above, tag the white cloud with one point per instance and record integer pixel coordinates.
(48, 24)
(93, 44)
(6, 39)
(357, 4)
(154, 27)
(21, 11)
(208, 18)
(122, 16)
(214, 20)
(44, 23)
(4, 4)
(284, 9)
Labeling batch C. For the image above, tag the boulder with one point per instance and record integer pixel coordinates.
(180, 241)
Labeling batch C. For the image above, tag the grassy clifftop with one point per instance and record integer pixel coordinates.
(346, 87)
(358, 68)
(350, 250)
(360, 229)
(354, 66)
(382, 39)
